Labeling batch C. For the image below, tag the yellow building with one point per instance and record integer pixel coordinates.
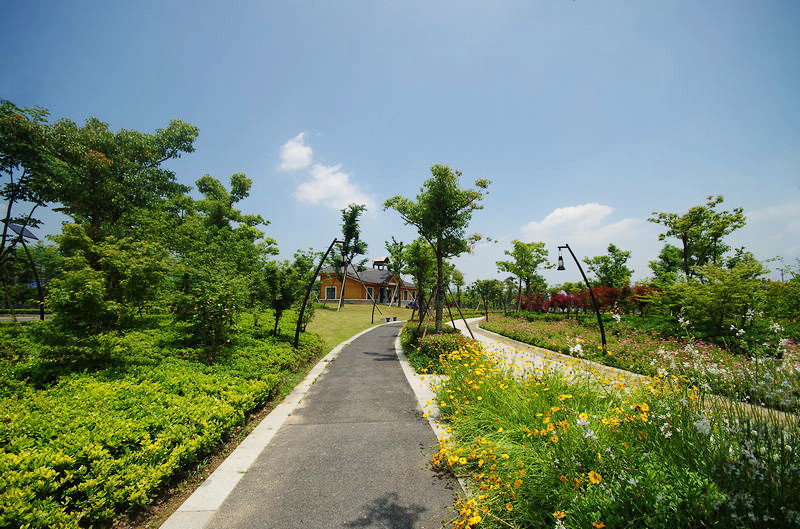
(365, 285)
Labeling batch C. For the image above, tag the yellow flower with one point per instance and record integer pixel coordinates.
(554, 438)
(583, 416)
(564, 397)
(594, 477)
(509, 507)
(560, 514)
(599, 525)
(517, 483)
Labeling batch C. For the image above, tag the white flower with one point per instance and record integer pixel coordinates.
(776, 328)
(589, 434)
(703, 425)
(617, 317)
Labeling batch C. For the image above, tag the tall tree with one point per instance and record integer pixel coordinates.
(610, 269)
(668, 265)
(24, 140)
(527, 258)
(351, 247)
(420, 264)
(441, 214)
(100, 177)
(701, 231)
(396, 264)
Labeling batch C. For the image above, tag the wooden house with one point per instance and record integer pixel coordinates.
(365, 285)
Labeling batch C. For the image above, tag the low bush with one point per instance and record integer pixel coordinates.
(81, 444)
(423, 347)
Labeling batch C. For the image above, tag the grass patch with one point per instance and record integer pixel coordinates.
(335, 327)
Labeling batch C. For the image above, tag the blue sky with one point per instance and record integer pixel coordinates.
(587, 116)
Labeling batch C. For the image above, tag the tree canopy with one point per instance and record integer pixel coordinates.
(701, 231)
(441, 213)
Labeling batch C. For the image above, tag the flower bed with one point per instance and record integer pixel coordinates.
(765, 381)
(547, 450)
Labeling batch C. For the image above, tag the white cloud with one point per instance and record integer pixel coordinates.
(584, 224)
(588, 229)
(325, 185)
(295, 154)
(332, 187)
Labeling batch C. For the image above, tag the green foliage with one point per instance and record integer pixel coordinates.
(100, 177)
(284, 287)
(527, 258)
(441, 214)
(421, 346)
(720, 298)
(610, 269)
(86, 446)
(78, 297)
(701, 232)
(104, 282)
(490, 292)
(351, 245)
(552, 448)
(211, 302)
(420, 264)
(668, 265)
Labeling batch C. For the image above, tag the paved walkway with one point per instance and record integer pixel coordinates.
(354, 453)
(523, 357)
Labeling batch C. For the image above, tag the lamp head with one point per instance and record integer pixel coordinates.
(560, 261)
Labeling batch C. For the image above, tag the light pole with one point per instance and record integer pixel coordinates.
(591, 292)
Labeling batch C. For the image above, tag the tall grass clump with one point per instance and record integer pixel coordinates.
(555, 448)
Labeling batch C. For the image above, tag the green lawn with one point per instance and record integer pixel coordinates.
(335, 327)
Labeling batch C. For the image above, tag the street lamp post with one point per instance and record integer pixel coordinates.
(591, 292)
(308, 293)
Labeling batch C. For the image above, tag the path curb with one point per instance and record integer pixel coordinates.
(197, 510)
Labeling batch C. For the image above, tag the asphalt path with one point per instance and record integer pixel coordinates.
(355, 453)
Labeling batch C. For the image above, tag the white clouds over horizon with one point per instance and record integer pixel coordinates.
(589, 228)
(326, 185)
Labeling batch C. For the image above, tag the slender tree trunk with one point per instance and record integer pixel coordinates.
(519, 295)
(439, 289)
(341, 294)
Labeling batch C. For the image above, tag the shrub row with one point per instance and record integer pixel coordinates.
(89, 446)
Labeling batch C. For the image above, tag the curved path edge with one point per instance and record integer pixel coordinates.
(197, 510)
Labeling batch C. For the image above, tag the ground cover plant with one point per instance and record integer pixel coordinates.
(769, 375)
(551, 448)
(82, 442)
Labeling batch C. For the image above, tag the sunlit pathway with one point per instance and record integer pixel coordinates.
(354, 454)
(522, 357)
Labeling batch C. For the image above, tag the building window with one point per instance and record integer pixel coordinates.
(370, 293)
(330, 292)
(405, 295)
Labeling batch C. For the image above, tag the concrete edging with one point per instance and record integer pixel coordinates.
(197, 510)
(421, 385)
